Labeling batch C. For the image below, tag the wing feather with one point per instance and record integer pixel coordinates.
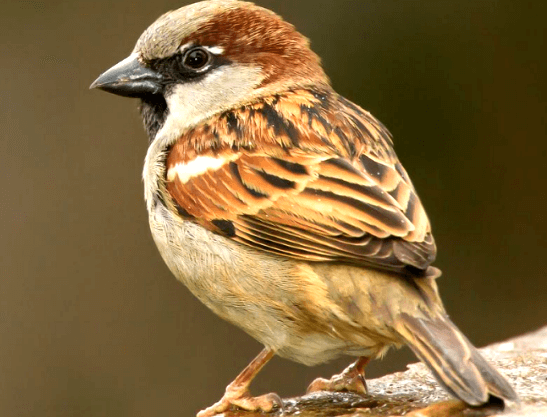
(319, 181)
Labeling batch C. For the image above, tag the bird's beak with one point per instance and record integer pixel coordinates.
(129, 78)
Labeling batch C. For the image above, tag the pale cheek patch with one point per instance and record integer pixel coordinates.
(190, 103)
(188, 170)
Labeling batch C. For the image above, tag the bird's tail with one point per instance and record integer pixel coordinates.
(455, 362)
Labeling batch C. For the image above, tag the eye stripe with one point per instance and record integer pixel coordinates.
(215, 50)
(186, 46)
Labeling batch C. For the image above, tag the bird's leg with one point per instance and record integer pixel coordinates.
(237, 393)
(351, 379)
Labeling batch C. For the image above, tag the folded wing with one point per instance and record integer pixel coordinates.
(313, 184)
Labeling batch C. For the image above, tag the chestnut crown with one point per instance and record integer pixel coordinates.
(209, 57)
(237, 32)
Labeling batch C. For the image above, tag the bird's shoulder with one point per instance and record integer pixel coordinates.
(306, 174)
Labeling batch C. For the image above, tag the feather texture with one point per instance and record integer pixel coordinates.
(305, 174)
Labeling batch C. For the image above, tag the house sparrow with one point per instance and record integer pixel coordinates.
(283, 207)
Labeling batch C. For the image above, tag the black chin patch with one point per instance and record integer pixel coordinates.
(154, 108)
(154, 111)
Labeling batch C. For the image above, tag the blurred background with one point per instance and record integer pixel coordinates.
(91, 321)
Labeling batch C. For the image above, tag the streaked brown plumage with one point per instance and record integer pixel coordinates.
(312, 184)
(283, 207)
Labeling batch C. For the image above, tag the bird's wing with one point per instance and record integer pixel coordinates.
(304, 175)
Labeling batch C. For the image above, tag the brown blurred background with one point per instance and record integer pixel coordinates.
(91, 321)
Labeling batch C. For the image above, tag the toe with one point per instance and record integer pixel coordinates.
(340, 383)
(264, 403)
(215, 409)
(319, 384)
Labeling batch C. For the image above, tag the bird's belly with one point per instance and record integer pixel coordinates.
(271, 298)
(315, 348)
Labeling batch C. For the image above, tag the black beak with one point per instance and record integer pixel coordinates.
(129, 78)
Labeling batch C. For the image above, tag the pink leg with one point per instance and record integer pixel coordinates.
(237, 393)
(351, 379)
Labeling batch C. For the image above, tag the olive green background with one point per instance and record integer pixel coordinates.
(91, 321)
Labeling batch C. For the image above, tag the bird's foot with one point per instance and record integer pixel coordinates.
(234, 398)
(352, 379)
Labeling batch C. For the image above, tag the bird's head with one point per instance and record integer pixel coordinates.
(209, 57)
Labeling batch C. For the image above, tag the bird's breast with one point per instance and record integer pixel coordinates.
(280, 302)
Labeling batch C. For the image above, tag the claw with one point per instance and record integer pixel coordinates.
(339, 384)
(237, 394)
(264, 403)
(352, 379)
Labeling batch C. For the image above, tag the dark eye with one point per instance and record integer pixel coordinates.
(196, 59)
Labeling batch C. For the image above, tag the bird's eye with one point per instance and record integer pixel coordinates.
(196, 59)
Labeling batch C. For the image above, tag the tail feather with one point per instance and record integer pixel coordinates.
(455, 362)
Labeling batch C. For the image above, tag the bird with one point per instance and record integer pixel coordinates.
(282, 205)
